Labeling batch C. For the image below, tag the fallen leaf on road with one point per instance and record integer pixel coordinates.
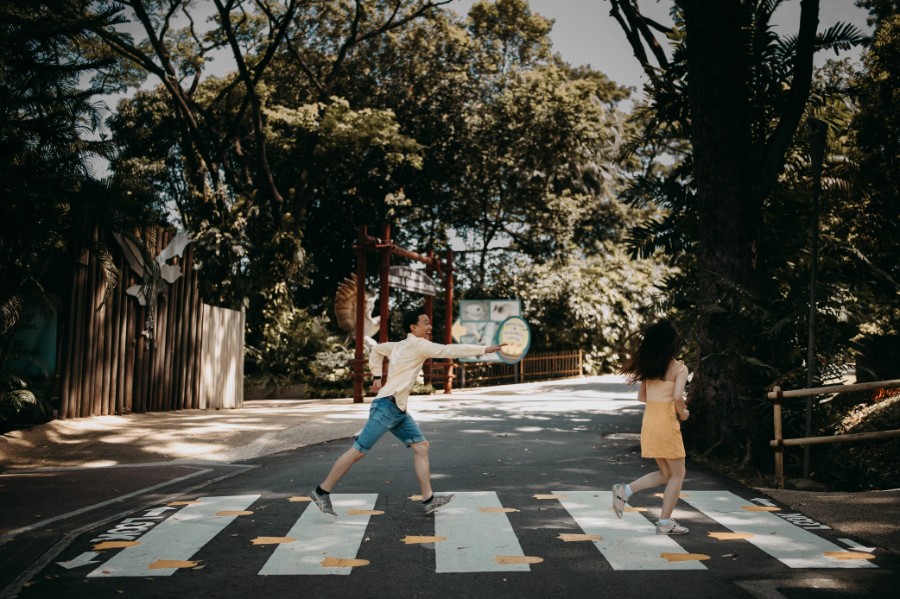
(731, 536)
(272, 540)
(848, 555)
(115, 545)
(418, 540)
(569, 538)
(684, 557)
(340, 562)
(518, 559)
(162, 564)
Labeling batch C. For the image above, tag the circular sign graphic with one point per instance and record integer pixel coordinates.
(515, 333)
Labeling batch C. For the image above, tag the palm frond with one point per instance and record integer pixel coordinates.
(840, 36)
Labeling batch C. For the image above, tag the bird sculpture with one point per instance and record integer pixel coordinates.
(156, 273)
(345, 311)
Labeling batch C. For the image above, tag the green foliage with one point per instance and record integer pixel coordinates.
(742, 296)
(51, 199)
(368, 113)
(595, 303)
(867, 465)
(19, 406)
(332, 367)
(872, 227)
(295, 347)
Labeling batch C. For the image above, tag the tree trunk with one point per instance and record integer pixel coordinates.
(727, 214)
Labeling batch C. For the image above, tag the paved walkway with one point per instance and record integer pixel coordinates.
(168, 442)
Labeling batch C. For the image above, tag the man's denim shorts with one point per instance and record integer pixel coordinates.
(384, 416)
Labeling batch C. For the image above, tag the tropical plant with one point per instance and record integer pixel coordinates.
(51, 198)
(726, 103)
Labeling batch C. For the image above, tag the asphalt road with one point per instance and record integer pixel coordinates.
(532, 473)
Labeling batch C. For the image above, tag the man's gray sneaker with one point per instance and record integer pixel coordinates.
(323, 502)
(618, 499)
(437, 503)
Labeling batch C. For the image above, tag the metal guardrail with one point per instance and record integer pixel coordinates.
(779, 442)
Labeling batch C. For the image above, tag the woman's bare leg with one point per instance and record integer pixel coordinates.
(677, 472)
(654, 479)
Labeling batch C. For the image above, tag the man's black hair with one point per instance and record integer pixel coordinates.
(412, 317)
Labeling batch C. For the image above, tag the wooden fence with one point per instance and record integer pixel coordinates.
(222, 362)
(111, 362)
(535, 367)
(777, 395)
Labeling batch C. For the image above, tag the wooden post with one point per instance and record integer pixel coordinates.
(779, 440)
(384, 288)
(429, 310)
(196, 360)
(448, 331)
(130, 346)
(384, 296)
(94, 357)
(358, 359)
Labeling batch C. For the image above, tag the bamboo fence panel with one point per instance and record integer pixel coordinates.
(222, 358)
(110, 365)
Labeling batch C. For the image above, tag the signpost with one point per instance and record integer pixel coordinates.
(401, 277)
(410, 279)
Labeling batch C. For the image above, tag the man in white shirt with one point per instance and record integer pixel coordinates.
(388, 411)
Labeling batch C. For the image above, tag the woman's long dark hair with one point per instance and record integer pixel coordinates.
(659, 346)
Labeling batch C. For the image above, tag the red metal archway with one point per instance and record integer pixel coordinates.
(385, 248)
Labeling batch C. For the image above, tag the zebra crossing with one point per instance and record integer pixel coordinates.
(474, 533)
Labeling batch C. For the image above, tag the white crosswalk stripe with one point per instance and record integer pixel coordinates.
(319, 537)
(176, 539)
(790, 544)
(473, 533)
(479, 536)
(627, 544)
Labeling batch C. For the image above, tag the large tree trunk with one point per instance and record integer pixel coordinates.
(728, 214)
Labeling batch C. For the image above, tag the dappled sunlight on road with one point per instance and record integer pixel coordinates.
(187, 434)
(263, 427)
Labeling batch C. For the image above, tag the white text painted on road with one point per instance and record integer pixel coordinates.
(177, 538)
(792, 545)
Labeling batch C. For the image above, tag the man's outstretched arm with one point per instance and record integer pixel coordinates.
(457, 350)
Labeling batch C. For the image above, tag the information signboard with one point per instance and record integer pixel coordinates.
(481, 321)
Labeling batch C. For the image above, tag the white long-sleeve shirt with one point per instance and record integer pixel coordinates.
(406, 359)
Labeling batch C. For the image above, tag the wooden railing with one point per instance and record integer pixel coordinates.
(551, 365)
(779, 442)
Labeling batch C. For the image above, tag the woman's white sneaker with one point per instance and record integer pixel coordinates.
(618, 499)
(672, 528)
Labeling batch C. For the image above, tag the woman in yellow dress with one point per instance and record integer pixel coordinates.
(662, 379)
